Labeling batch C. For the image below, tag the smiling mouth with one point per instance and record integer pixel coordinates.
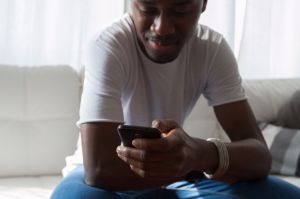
(159, 46)
(162, 46)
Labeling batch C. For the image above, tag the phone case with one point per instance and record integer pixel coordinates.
(127, 133)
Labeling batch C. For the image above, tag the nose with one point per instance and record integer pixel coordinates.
(162, 25)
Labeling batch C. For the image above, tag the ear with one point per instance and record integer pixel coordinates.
(204, 5)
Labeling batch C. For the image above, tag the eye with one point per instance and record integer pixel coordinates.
(181, 10)
(148, 10)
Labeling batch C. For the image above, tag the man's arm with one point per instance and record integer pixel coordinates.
(248, 153)
(102, 166)
(177, 153)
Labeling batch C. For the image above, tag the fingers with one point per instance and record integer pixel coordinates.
(149, 165)
(161, 158)
(142, 155)
(138, 157)
(162, 144)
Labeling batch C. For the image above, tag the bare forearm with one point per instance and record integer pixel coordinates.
(248, 159)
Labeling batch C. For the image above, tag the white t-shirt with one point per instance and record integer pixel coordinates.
(122, 85)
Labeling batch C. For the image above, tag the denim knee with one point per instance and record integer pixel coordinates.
(74, 187)
(271, 187)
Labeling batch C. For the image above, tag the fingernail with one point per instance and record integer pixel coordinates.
(154, 123)
(133, 142)
(118, 149)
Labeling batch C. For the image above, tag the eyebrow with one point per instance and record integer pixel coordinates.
(146, 1)
(149, 2)
(182, 2)
(176, 2)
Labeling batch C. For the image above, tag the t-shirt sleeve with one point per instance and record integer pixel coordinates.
(101, 97)
(224, 84)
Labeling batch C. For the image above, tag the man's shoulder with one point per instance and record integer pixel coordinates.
(204, 33)
(205, 41)
(121, 32)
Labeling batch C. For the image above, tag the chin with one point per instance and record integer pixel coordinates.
(162, 58)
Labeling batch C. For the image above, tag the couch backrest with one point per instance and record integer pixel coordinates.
(38, 111)
(265, 97)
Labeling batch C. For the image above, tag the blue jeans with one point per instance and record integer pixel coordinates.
(73, 187)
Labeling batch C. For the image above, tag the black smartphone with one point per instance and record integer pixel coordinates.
(127, 133)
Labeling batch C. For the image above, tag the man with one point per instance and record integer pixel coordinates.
(151, 67)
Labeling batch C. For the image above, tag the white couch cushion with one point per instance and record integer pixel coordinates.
(39, 108)
(266, 97)
(202, 122)
(293, 180)
(28, 188)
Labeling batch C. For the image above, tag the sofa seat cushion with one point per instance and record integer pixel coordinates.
(39, 108)
(28, 187)
(293, 180)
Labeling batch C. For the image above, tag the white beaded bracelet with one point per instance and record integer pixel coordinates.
(223, 159)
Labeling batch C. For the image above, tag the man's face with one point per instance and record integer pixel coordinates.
(163, 26)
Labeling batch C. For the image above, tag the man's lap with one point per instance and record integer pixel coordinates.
(73, 186)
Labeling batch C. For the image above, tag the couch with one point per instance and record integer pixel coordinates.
(38, 110)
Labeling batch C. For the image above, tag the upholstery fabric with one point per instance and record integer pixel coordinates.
(289, 114)
(268, 95)
(28, 187)
(39, 108)
(284, 147)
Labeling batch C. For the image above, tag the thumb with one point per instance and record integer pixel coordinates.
(165, 126)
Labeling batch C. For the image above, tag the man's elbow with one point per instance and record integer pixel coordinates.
(96, 177)
(268, 162)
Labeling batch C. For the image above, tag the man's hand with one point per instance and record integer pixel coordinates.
(170, 157)
(102, 166)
